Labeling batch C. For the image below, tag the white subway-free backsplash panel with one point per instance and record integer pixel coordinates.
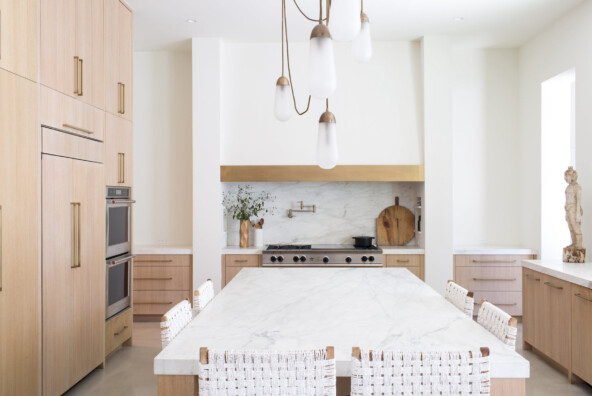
(344, 210)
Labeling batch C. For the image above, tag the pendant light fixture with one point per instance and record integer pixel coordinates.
(322, 80)
(345, 19)
(327, 151)
(362, 44)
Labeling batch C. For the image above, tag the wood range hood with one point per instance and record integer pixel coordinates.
(341, 173)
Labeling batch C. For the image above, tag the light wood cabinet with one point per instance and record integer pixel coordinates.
(72, 49)
(232, 264)
(118, 59)
(161, 281)
(18, 37)
(494, 277)
(118, 330)
(73, 268)
(531, 295)
(118, 151)
(581, 323)
(413, 262)
(19, 236)
(555, 323)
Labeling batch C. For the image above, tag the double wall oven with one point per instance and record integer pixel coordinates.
(118, 250)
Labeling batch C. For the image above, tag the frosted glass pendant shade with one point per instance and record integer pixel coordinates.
(283, 99)
(345, 19)
(362, 45)
(322, 80)
(327, 151)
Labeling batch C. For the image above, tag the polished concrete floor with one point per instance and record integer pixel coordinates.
(129, 371)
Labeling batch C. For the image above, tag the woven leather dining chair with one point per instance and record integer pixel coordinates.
(498, 322)
(396, 373)
(174, 321)
(202, 296)
(460, 297)
(306, 372)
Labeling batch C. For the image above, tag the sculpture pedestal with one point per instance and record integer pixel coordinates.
(574, 255)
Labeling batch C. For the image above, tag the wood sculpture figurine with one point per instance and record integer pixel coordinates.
(574, 253)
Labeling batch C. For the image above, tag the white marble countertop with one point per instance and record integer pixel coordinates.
(402, 250)
(285, 309)
(502, 250)
(145, 249)
(580, 274)
(240, 250)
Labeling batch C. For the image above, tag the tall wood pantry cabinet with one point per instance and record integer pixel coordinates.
(53, 136)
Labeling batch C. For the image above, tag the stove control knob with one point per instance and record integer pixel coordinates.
(280, 258)
(273, 259)
(303, 258)
(296, 259)
(348, 260)
(371, 258)
(364, 259)
(325, 259)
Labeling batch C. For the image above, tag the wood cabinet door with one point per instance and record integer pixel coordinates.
(126, 54)
(231, 272)
(18, 37)
(59, 68)
(531, 298)
(19, 237)
(73, 213)
(118, 151)
(581, 322)
(90, 50)
(555, 326)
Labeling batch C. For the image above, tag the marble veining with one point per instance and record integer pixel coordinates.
(344, 210)
(282, 308)
(577, 273)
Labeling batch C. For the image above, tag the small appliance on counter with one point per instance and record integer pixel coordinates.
(118, 250)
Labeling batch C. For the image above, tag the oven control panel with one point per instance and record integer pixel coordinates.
(322, 259)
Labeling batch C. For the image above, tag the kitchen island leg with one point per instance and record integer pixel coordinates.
(177, 385)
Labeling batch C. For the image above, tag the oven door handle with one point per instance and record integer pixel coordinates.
(121, 260)
(120, 201)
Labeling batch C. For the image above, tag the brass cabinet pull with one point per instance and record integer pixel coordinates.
(532, 277)
(121, 87)
(240, 261)
(153, 261)
(76, 77)
(171, 278)
(501, 304)
(494, 261)
(123, 99)
(120, 331)
(495, 279)
(81, 92)
(583, 297)
(78, 128)
(75, 235)
(155, 303)
(121, 178)
(553, 286)
(0, 247)
(402, 261)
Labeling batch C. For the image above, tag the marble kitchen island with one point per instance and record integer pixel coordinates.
(300, 308)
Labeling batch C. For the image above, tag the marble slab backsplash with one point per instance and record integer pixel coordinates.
(343, 210)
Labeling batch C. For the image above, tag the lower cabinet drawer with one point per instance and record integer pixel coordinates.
(489, 278)
(510, 302)
(118, 330)
(242, 260)
(162, 278)
(158, 302)
(403, 260)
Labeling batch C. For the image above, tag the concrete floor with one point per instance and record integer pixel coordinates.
(129, 371)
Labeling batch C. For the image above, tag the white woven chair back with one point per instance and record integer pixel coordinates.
(310, 373)
(202, 296)
(174, 321)
(460, 297)
(498, 322)
(420, 373)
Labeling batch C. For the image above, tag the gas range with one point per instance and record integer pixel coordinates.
(321, 256)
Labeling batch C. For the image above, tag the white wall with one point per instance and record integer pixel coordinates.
(486, 147)
(377, 106)
(162, 148)
(564, 45)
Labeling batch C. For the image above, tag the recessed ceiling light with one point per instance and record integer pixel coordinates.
(459, 19)
(191, 21)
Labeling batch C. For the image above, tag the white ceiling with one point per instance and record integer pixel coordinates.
(161, 24)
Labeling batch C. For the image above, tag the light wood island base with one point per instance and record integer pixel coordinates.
(187, 385)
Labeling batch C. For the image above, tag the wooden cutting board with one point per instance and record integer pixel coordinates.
(395, 226)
